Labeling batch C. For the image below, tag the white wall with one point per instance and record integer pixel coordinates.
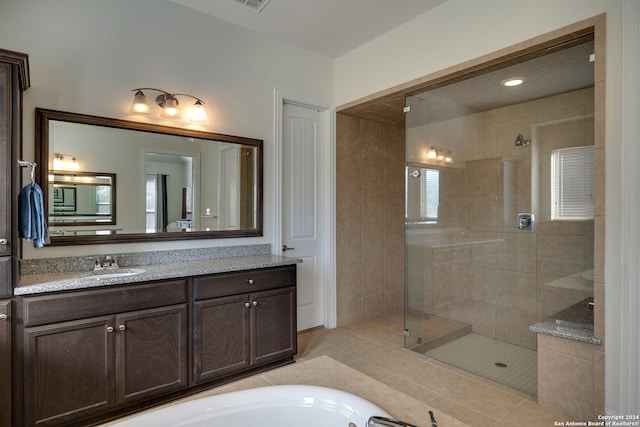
(86, 55)
(455, 32)
(461, 30)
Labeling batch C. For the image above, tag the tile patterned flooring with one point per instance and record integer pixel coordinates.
(482, 355)
(368, 359)
(375, 348)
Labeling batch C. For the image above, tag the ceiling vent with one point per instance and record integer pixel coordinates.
(256, 5)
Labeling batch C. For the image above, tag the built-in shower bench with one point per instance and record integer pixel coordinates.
(567, 362)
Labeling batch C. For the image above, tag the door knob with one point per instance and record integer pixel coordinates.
(285, 248)
(3, 316)
(109, 329)
(4, 242)
(122, 327)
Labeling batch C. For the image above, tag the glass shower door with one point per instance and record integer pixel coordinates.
(414, 310)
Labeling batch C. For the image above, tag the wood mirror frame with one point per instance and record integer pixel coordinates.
(42, 128)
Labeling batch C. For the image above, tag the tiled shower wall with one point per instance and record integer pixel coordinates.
(369, 219)
(476, 266)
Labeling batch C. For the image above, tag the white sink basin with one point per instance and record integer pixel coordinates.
(123, 272)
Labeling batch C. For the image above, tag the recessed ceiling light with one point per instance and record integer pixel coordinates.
(513, 81)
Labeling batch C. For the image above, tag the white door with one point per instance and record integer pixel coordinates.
(302, 198)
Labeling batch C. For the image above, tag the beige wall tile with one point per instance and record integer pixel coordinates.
(560, 255)
(517, 251)
(372, 278)
(598, 384)
(516, 290)
(565, 384)
(512, 326)
(575, 349)
(369, 217)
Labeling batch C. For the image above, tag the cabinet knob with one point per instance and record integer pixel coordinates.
(250, 281)
(4, 242)
(122, 327)
(5, 317)
(254, 303)
(247, 305)
(109, 329)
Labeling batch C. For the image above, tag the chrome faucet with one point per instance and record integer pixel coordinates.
(109, 262)
(376, 421)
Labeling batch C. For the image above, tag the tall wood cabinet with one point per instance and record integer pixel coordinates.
(14, 78)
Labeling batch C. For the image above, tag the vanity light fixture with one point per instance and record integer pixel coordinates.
(169, 104)
(65, 162)
(440, 154)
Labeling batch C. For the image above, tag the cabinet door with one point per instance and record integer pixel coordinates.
(220, 337)
(152, 352)
(68, 371)
(5, 276)
(273, 323)
(5, 157)
(5, 363)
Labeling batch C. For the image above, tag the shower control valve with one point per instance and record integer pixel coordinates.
(525, 221)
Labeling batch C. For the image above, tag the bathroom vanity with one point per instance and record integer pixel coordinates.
(98, 348)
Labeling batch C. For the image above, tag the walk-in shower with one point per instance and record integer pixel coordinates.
(500, 234)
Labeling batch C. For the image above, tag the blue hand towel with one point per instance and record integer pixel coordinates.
(31, 216)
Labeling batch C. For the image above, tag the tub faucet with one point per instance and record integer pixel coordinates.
(377, 421)
(390, 422)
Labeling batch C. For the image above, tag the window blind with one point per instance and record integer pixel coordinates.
(429, 193)
(572, 183)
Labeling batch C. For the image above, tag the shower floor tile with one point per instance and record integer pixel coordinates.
(479, 354)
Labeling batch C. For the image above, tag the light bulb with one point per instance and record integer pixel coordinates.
(197, 113)
(432, 154)
(170, 108)
(139, 104)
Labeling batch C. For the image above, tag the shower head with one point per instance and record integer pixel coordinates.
(521, 142)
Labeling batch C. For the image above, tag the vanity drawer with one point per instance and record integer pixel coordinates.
(224, 284)
(45, 309)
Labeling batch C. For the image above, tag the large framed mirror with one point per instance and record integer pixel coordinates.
(155, 182)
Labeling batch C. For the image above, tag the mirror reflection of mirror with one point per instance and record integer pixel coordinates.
(82, 198)
(173, 183)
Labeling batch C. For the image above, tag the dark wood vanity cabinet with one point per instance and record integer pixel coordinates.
(78, 368)
(243, 320)
(90, 355)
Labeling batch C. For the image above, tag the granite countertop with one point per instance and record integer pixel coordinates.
(72, 280)
(574, 323)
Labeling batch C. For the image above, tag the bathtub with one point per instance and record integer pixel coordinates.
(281, 406)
